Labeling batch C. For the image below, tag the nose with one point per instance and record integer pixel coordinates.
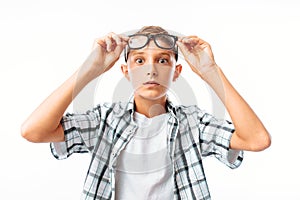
(152, 70)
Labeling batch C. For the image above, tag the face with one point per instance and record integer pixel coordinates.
(151, 71)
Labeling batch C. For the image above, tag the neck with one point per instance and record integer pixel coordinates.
(148, 107)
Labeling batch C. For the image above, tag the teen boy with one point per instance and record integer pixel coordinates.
(147, 148)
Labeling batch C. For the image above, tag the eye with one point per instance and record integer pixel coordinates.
(139, 60)
(163, 60)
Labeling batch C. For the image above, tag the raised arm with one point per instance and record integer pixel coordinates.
(43, 125)
(250, 133)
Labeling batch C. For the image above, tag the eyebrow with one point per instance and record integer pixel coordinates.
(142, 52)
(136, 52)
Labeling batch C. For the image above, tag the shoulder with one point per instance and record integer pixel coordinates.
(193, 113)
(188, 109)
(113, 108)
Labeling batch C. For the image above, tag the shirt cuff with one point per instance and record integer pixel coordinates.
(59, 150)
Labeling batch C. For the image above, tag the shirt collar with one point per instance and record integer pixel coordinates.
(130, 107)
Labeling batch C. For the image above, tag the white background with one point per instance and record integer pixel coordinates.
(256, 43)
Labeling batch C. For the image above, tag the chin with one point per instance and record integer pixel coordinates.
(150, 95)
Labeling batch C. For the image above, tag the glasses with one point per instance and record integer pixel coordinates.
(163, 41)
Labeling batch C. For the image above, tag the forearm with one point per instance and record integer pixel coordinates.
(250, 133)
(43, 125)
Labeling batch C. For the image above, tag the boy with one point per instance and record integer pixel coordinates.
(147, 148)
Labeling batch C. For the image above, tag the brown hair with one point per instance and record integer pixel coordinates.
(152, 30)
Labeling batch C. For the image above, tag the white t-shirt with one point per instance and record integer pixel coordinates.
(144, 169)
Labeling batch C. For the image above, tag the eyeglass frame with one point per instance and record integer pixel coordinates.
(153, 36)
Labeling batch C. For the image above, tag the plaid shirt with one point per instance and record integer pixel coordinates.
(107, 129)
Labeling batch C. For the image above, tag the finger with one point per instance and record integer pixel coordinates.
(195, 43)
(123, 37)
(193, 38)
(120, 44)
(189, 44)
(201, 40)
(187, 37)
(183, 48)
(108, 44)
(203, 44)
(115, 41)
(101, 42)
(116, 38)
(191, 41)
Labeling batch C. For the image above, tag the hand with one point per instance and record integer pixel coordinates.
(106, 51)
(198, 54)
(110, 48)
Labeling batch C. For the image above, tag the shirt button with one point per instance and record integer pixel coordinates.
(131, 130)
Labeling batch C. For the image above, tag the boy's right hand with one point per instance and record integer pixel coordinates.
(106, 51)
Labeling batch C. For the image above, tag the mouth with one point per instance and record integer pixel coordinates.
(151, 83)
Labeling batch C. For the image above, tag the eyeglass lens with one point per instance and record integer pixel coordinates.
(137, 41)
(162, 41)
(165, 41)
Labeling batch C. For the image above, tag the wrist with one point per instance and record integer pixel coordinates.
(210, 73)
(88, 71)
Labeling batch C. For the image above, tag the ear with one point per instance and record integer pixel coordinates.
(177, 72)
(124, 69)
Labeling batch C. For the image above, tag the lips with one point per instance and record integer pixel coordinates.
(150, 83)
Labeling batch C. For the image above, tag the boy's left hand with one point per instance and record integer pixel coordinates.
(198, 54)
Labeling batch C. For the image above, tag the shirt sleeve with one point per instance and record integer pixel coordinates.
(81, 134)
(215, 136)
